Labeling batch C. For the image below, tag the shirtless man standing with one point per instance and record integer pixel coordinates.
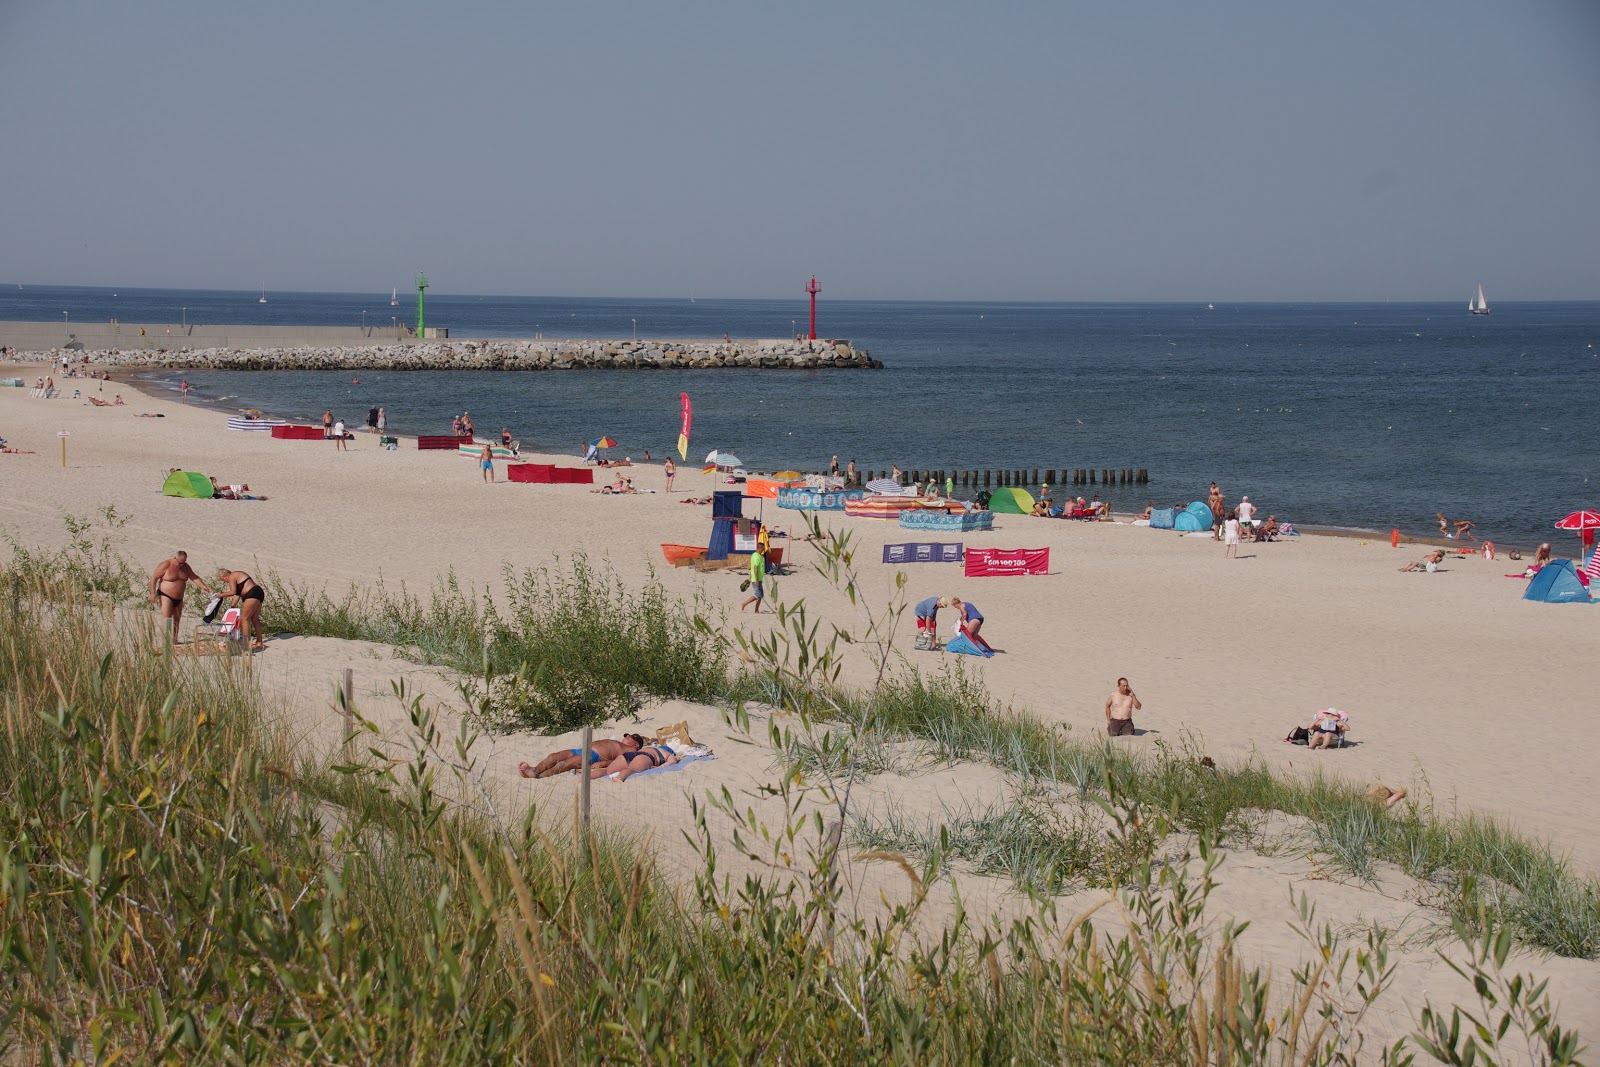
(167, 584)
(1120, 706)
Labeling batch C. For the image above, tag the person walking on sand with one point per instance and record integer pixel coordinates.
(339, 443)
(249, 595)
(372, 419)
(167, 585)
(486, 461)
(1230, 536)
(183, 388)
(758, 575)
(383, 421)
(327, 424)
(671, 471)
(1120, 706)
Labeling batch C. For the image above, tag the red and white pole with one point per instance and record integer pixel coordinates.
(813, 289)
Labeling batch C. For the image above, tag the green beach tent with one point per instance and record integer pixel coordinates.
(187, 484)
(1011, 501)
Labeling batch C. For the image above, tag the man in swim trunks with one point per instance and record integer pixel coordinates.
(927, 615)
(563, 760)
(167, 585)
(1120, 706)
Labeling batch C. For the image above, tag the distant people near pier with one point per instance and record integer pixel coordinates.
(372, 419)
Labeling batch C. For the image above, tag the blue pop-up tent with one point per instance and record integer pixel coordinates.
(1194, 518)
(1557, 583)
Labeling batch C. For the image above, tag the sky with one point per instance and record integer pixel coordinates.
(925, 150)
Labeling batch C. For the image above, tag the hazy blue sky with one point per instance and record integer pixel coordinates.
(1368, 149)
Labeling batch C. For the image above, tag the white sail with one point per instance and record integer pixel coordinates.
(1478, 305)
(394, 298)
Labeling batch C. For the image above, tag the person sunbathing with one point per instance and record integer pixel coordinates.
(1267, 531)
(1382, 794)
(1327, 727)
(1430, 564)
(1144, 515)
(629, 763)
(563, 760)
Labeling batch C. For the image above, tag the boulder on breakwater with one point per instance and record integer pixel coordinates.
(498, 355)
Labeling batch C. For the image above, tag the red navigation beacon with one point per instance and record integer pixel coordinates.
(813, 289)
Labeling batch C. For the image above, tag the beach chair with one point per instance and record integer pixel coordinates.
(218, 634)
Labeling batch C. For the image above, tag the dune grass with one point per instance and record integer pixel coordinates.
(176, 885)
(564, 646)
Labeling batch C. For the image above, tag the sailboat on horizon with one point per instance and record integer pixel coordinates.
(394, 297)
(1478, 305)
(263, 299)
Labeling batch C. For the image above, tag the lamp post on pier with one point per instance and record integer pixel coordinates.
(185, 318)
(635, 329)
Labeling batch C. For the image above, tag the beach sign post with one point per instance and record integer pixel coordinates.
(63, 434)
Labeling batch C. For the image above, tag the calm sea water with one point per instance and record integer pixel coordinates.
(1366, 416)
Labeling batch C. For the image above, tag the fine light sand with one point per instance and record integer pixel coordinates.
(1459, 690)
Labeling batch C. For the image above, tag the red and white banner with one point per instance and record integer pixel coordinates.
(993, 562)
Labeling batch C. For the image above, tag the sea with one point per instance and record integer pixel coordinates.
(1352, 416)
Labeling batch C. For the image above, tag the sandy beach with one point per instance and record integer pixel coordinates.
(1458, 689)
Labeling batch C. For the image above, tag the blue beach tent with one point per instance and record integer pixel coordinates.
(1192, 519)
(1162, 518)
(1557, 583)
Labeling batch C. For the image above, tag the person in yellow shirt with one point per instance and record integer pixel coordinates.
(758, 575)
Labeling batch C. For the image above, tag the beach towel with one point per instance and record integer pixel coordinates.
(962, 645)
(683, 761)
(212, 609)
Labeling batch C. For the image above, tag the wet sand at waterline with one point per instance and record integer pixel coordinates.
(1457, 688)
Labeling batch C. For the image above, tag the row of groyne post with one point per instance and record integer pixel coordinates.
(1022, 477)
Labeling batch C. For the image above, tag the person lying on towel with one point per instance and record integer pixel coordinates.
(563, 760)
(646, 758)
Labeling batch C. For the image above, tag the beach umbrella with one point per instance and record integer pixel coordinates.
(722, 459)
(605, 442)
(1582, 522)
(788, 475)
(883, 485)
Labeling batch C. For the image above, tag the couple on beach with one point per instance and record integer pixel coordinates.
(171, 578)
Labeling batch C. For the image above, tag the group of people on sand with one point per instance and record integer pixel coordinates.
(170, 580)
(622, 757)
(969, 620)
(1070, 508)
(461, 425)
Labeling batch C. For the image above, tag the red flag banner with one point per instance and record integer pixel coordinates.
(994, 562)
(683, 428)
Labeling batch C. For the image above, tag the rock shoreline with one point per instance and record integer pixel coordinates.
(494, 355)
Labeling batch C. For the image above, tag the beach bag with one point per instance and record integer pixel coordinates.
(925, 641)
(1299, 736)
(212, 608)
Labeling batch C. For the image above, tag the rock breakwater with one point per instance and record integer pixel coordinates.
(495, 355)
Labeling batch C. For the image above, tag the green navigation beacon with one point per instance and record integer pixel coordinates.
(422, 283)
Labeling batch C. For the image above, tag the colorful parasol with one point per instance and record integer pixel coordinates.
(605, 442)
(1584, 523)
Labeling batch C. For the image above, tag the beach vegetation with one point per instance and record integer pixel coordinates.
(561, 647)
(179, 884)
(1468, 866)
(90, 562)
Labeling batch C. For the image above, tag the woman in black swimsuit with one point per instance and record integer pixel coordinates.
(634, 762)
(250, 596)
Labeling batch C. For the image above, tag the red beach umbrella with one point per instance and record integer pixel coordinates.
(1588, 519)
(1584, 522)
